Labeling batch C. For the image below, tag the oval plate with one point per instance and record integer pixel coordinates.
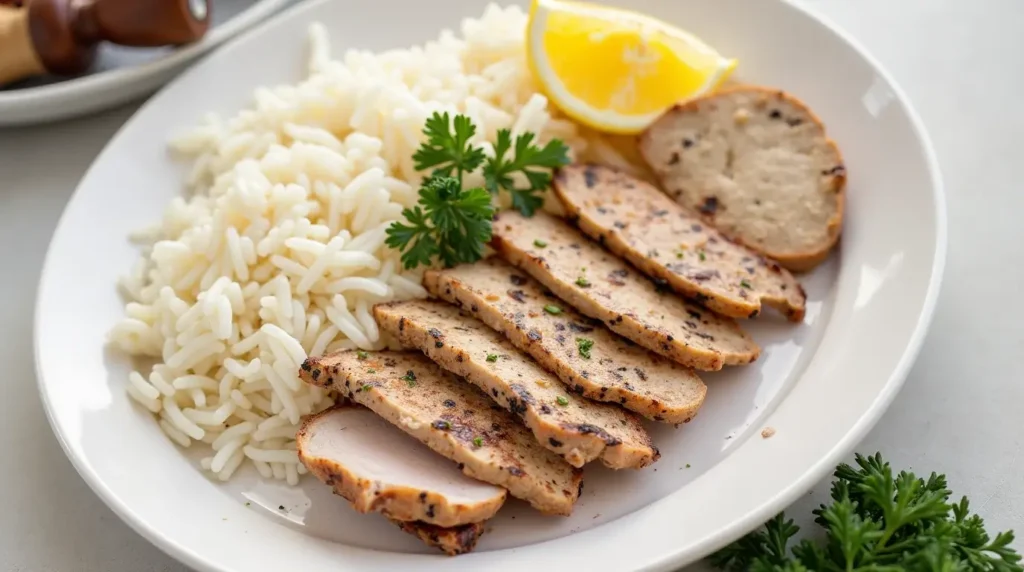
(821, 386)
(121, 74)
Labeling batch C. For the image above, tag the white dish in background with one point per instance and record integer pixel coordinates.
(820, 386)
(121, 74)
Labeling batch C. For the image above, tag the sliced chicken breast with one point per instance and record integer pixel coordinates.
(602, 286)
(587, 357)
(660, 237)
(453, 418)
(378, 468)
(578, 429)
(451, 541)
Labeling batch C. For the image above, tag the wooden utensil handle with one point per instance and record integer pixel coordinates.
(142, 22)
(18, 59)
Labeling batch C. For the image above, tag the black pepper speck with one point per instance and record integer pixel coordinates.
(710, 205)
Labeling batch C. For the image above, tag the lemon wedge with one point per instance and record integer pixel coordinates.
(616, 70)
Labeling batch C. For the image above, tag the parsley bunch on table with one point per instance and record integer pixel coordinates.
(878, 522)
(451, 223)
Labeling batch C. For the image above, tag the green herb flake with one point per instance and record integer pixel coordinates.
(687, 465)
(702, 256)
(552, 309)
(539, 243)
(478, 442)
(584, 345)
(492, 357)
(561, 400)
(370, 370)
(365, 387)
(582, 282)
(679, 254)
(410, 378)
(362, 355)
(745, 284)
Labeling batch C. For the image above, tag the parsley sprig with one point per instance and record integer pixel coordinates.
(451, 223)
(446, 151)
(534, 162)
(880, 523)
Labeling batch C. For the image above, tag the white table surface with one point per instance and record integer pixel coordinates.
(962, 64)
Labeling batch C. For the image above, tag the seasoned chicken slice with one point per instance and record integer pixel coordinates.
(602, 286)
(380, 469)
(451, 541)
(643, 225)
(578, 429)
(585, 355)
(453, 418)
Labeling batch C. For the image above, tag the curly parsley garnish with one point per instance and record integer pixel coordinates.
(881, 523)
(534, 162)
(451, 223)
(447, 151)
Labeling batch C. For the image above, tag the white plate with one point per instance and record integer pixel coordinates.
(821, 385)
(121, 74)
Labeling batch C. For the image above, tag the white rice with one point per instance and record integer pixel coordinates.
(278, 251)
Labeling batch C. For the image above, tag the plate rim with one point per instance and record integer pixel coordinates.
(91, 84)
(826, 465)
(674, 557)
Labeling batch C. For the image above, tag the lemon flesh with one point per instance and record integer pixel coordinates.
(614, 70)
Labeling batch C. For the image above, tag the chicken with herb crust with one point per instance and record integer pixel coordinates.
(602, 286)
(757, 163)
(578, 429)
(379, 469)
(452, 541)
(453, 418)
(587, 357)
(643, 225)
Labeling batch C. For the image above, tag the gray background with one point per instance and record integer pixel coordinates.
(962, 64)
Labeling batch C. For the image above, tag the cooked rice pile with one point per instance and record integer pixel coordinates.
(278, 253)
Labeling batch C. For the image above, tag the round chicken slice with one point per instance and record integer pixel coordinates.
(378, 468)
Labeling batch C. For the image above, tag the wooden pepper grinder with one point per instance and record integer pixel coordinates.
(61, 36)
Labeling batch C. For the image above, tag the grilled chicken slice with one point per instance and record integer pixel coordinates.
(604, 287)
(451, 541)
(611, 368)
(578, 429)
(643, 225)
(453, 418)
(379, 469)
